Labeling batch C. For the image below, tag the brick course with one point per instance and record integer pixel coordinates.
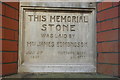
(109, 69)
(9, 57)
(106, 36)
(9, 68)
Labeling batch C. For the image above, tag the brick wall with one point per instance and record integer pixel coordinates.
(9, 37)
(107, 38)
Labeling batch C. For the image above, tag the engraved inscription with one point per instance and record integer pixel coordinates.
(57, 38)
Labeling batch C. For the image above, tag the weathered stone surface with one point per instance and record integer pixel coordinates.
(60, 41)
(57, 39)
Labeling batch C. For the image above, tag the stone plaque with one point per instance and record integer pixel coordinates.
(58, 40)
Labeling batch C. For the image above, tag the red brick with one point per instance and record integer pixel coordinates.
(99, 6)
(108, 58)
(112, 24)
(9, 68)
(99, 16)
(107, 14)
(13, 4)
(1, 45)
(0, 33)
(115, 23)
(10, 12)
(0, 57)
(104, 68)
(119, 70)
(119, 44)
(17, 15)
(3, 9)
(106, 5)
(0, 8)
(106, 25)
(9, 23)
(16, 35)
(108, 69)
(8, 34)
(9, 45)
(98, 27)
(118, 22)
(107, 36)
(116, 70)
(0, 69)
(9, 57)
(0, 21)
(112, 13)
(107, 47)
(116, 3)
